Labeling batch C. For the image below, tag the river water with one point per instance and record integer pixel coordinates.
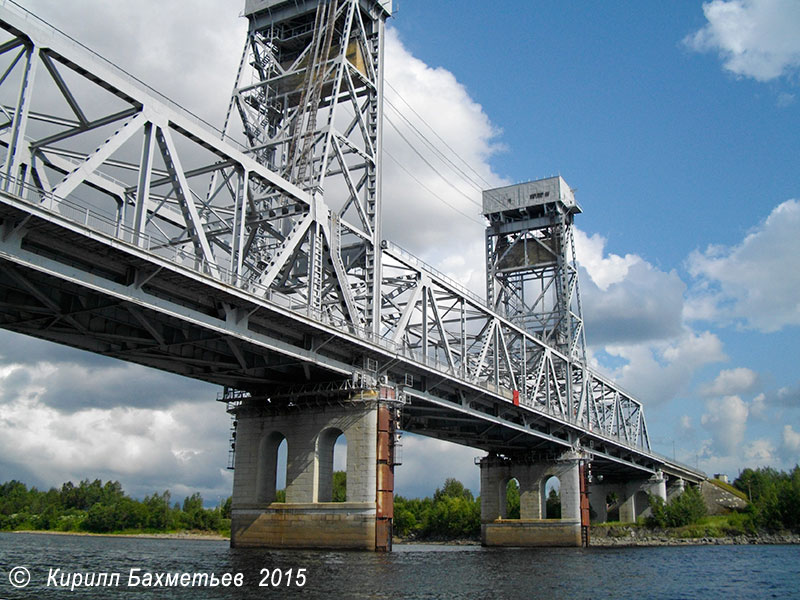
(413, 571)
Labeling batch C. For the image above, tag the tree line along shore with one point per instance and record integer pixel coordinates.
(452, 513)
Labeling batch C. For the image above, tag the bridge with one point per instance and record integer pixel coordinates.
(252, 257)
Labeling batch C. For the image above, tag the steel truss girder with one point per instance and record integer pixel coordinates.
(242, 319)
(189, 206)
(438, 324)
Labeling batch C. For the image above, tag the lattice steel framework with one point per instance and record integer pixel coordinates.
(308, 98)
(531, 272)
(277, 237)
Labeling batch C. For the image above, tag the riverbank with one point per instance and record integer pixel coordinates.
(634, 535)
(178, 535)
(640, 536)
(617, 536)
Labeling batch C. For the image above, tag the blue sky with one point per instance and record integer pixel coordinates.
(677, 123)
(655, 136)
(675, 143)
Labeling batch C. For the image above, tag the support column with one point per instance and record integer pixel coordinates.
(635, 499)
(675, 487)
(598, 494)
(308, 518)
(532, 529)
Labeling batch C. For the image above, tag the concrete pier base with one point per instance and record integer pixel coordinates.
(632, 498)
(532, 528)
(308, 518)
(531, 533)
(345, 525)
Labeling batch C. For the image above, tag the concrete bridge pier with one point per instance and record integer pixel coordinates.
(533, 528)
(675, 487)
(636, 502)
(632, 498)
(308, 518)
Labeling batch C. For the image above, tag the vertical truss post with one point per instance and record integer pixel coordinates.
(143, 184)
(14, 167)
(239, 231)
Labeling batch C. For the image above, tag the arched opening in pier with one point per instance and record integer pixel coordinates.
(551, 498)
(511, 499)
(332, 466)
(271, 469)
(280, 471)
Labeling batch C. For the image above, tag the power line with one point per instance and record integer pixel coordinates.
(433, 147)
(427, 162)
(430, 191)
(467, 164)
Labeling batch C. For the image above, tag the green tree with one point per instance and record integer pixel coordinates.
(512, 499)
(775, 497)
(14, 497)
(226, 508)
(413, 515)
(684, 509)
(453, 517)
(159, 514)
(339, 493)
(193, 516)
(404, 522)
(452, 488)
(553, 504)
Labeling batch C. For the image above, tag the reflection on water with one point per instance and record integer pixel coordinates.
(418, 571)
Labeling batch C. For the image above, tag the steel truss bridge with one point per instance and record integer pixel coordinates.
(132, 229)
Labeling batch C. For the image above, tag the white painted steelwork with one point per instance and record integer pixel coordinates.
(132, 229)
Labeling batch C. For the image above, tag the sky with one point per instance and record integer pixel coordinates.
(677, 124)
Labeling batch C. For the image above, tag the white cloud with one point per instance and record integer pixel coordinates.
(626, 299)
(757, 281)
(759, 452)
(658, 372)
(181, 448)
(731, 381)
(603, 269)
(190, 56)
(791, 443)
(758, 407)
(754, 38)
(69, 385)
(428, 207)
(726, 420)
